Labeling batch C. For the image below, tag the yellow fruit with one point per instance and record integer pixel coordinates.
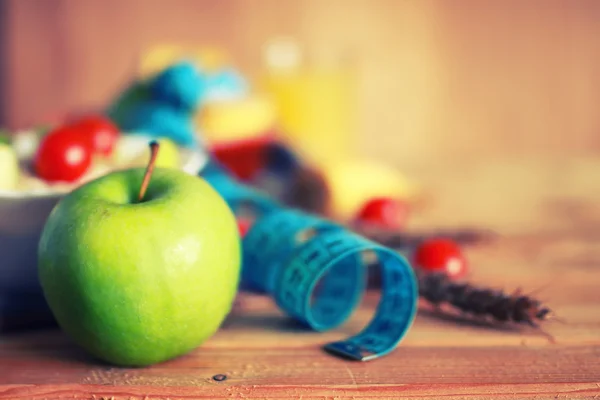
(9, 168)
(354, 182)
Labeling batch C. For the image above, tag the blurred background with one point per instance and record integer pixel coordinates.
(418, 85)
(434, 79)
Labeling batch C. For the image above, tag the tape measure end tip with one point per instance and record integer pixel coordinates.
(346, 351)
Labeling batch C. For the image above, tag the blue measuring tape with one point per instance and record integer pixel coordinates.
(237, 195)
(316, 272)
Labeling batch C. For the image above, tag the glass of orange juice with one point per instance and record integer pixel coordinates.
(315, 100)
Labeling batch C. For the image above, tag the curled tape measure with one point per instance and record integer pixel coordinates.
(316, 272)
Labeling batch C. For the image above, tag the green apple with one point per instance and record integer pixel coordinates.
(140, 282)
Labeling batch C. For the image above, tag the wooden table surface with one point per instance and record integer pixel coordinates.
(548, 219)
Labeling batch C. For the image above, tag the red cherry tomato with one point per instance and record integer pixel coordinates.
(441, 255)
(63, 155)
(102, 133)
(244, 226)
(385, 213)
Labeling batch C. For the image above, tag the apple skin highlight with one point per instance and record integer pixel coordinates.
(137, 283)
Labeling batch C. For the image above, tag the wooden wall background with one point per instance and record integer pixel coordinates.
(443, 80)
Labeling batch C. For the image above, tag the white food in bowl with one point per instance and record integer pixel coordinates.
(192, 161)
(23, 214)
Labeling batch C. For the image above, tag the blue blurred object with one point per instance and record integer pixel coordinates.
(162, 106)
(278, 173)
(165, 105)
(225, 85)
(136, 93)
(153, 118)
(280, 159)
(181, 86)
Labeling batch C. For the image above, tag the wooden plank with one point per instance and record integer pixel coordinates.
(60, 363)
(219, 391)
(259, 346)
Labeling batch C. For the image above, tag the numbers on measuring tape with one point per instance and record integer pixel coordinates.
(270, 242)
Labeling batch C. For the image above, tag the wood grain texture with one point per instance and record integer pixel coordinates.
(216, 391)
(548, 239)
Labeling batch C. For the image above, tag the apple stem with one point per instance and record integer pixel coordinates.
(153, 154)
